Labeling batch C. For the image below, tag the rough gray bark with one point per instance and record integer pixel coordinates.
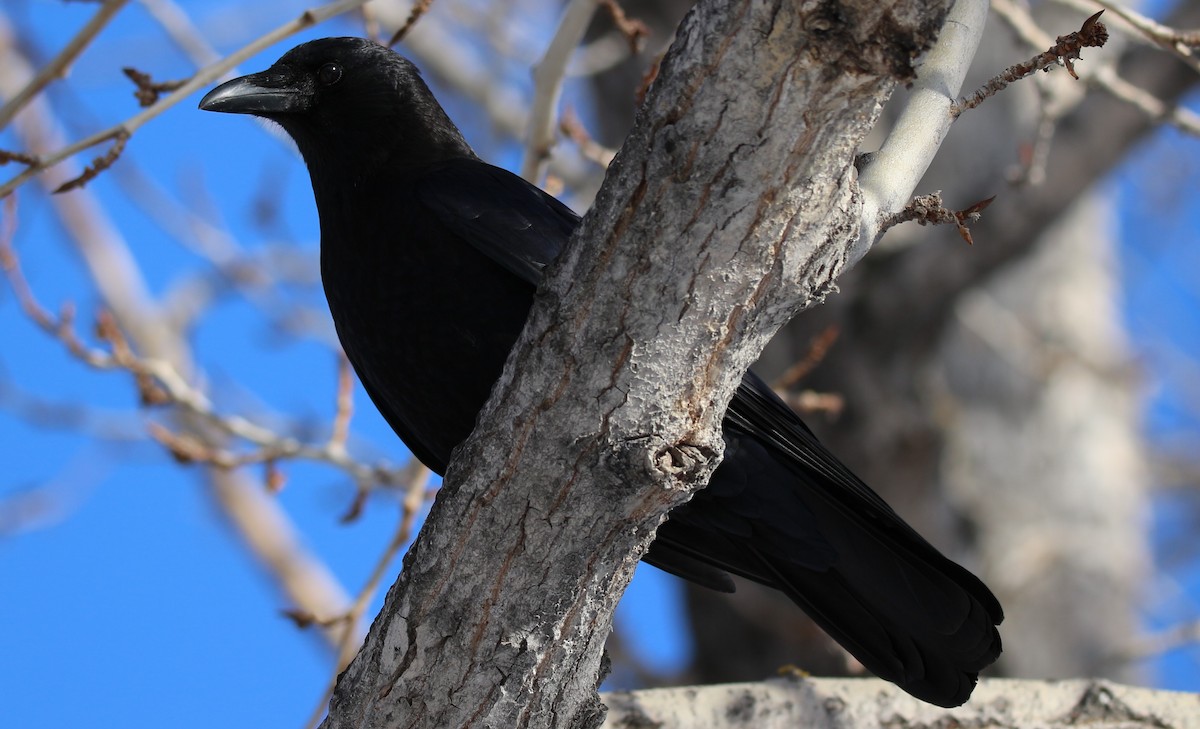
(730, 207)
(823, 703)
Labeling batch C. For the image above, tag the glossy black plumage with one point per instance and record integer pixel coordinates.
(430, 258)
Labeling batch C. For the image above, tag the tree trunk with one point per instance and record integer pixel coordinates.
(731, 207)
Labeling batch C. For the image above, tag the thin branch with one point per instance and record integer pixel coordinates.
(1181, 118)
(108, 426)
(57, 67)
(149, 90)
(811, 402)
(53, 501)
(929, 210)
(1165, 641)
(419, 8)
(1031, 169)
(258, 519)
(1181, 43)
(817, 349)
(204, 76)
(160, 383)
(1105, 76)
(1066, 48)
(574, 130)
(1022, 23)
(441, 49)
(887, 181)
(548, 77)
(634, 30)
(98, 165)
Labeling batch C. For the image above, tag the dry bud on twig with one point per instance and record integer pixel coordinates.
(929, 210)
(148, 91)
(99, 164)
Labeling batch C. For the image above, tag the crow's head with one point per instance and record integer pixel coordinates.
(348, 99)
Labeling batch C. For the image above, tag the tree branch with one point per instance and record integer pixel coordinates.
(890, 177)
(829, 703)
(730, 207)
(203, 77)
(58, 65)
(548, 77)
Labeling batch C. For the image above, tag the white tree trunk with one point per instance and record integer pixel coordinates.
(1038, 403)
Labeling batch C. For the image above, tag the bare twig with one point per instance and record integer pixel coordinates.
(420, 7)
(371, 28)
(98, 165)
(22, 157)
(809, 402)
(1180, 117)
(591, 149)
(817, 349)
(57, 67)
(108, 426)
(1105, 77)
(345, 405)
(148, 90)
(634, 30)
(258, 519)
(1034, 155)
(442, 49)
(1149, 646)
(202, 77)
(53, 501)
(929, 210)
(1066, 49)
(159, 383)
(888, 179)
(182, 31)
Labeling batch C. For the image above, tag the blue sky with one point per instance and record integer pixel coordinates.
(131, 601)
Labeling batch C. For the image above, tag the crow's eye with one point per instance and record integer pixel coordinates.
(329, 74)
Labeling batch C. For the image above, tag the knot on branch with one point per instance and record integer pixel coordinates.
(678, 466)
(877, 41)
(684, 462)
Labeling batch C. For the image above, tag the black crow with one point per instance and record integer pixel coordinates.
(430, 258)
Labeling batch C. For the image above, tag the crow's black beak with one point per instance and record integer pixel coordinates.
(264, 93)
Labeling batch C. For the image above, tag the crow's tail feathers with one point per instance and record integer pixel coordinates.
(927, 625)
(781, 510)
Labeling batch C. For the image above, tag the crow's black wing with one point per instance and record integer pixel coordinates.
(512, 222)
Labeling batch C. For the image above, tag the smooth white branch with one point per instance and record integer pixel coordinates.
(888, 180)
